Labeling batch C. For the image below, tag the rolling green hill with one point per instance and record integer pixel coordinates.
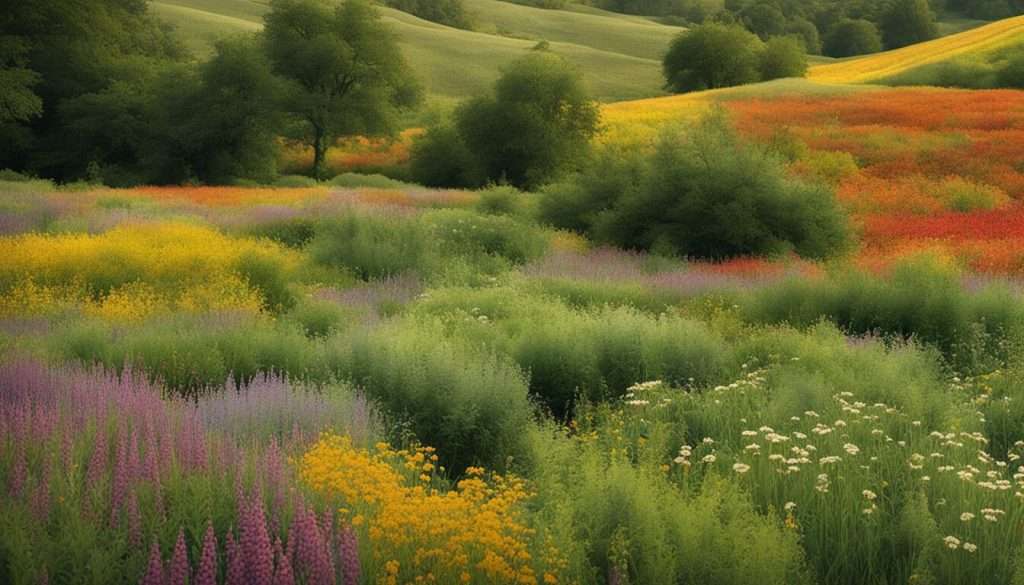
(620, 56)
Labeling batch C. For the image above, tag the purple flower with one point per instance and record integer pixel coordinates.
(283, 574)
(206, 574)
(177, 571)
(236, 562)
(255, 543)
(155, 572)
(349, 552)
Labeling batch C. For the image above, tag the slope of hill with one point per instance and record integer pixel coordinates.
(882, 65)
(619, 56)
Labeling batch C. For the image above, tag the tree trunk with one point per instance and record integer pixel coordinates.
(319, 154)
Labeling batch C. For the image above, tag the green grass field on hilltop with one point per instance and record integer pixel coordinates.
(620, 56)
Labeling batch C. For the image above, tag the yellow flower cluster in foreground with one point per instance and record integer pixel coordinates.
(474, 533)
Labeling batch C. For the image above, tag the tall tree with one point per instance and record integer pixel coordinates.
(346, 73)
(711, 56)
(908, 22)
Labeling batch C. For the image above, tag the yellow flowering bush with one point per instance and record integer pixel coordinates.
(419, 533)
(134, 271)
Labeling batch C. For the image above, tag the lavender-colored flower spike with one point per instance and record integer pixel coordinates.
(207, 572)
(283, 574)
(236, 563)
(259, 559)
(349, 550)
(155, 572)
(177, 571)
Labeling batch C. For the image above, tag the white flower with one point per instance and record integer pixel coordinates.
(969, 547)
(740, 468)
(709, 458)
(952, 542)
(869, 495)
(789, 507)
(966, 517)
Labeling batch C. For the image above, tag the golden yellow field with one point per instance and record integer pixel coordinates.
(882, 65)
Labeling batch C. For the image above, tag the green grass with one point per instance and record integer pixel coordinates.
(619, 56)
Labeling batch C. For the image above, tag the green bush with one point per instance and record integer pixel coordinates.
(293, 232)
(374, 245)
(704, 194)
(467, 402)
(356, 180)
(629, 525)
(319, 319)
(191, 355)
(502, 201)
(919, 301)
(469, 234)
(295, 181)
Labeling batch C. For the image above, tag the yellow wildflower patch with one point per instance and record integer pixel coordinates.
(419, 533)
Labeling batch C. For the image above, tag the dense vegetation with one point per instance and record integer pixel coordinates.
(769, 334)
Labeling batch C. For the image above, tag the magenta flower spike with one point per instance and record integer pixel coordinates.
(349, 552)
(283, 573)
(134, 520)
(98, 462)
(259, 559)
(236, 562)
(177, 571)
(155, 572)
(206, 574)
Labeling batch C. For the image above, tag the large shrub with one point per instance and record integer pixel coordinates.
(538, 122)
(705, 194)
(373, 245)
(469, 403)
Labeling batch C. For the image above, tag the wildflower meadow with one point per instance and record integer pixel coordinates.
(279, 307)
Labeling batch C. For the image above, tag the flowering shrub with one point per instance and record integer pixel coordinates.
(475, 532)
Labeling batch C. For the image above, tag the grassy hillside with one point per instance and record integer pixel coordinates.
(882, 65)
(619, 56)
(605, 31)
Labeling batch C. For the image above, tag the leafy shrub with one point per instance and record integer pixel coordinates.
(783, 57)
(192, 355)
(356, 180)
(469, 403)
(849, 37)
(319, 319)
(374, 245)
(704, 194)
(467, 233)
(439, 158)
(630, 525)
(295, 181)
(293, 232)
(501, 201)
(919, 300)
(710, 56)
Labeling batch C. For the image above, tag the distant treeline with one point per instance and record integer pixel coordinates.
(837, 28)
(102, 91)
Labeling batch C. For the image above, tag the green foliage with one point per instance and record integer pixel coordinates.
(783, 57)
(374, 246)
(346, 73)
(357, 180)
(908, 22)
(191, 355)
(712, 56)
(319, 319)
(537, 124)
(850, 37)
(448, 12)
(502, 201)
(466, 233)
(919, 301)
(472, 405)
(440, 158)
(704, 194)
(632, 526)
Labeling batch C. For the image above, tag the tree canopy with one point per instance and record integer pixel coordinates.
(345, 71)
